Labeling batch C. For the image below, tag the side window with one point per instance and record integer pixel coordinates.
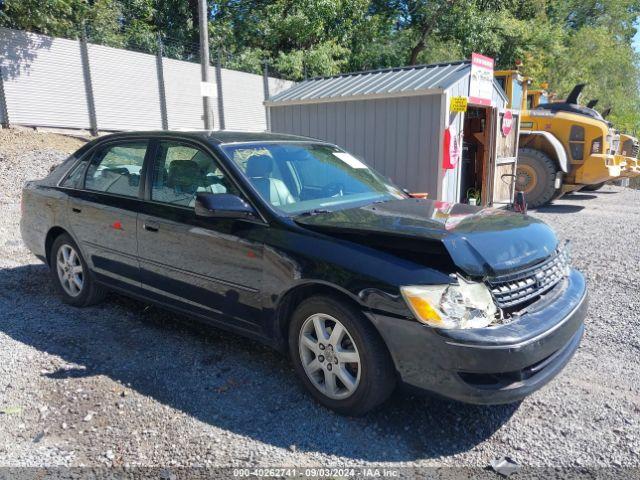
(74, 179)
(181, 171)
(117, 168)
(529, 102)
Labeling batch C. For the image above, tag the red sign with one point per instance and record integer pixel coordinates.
(451, 149)
(481, 84)
(507, 123)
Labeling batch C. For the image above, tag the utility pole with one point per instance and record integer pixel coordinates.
(204, 62)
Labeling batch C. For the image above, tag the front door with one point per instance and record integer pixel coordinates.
(211, 266)
(505, 155)
(103, 212)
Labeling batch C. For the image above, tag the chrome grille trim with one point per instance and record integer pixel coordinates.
(519, 287)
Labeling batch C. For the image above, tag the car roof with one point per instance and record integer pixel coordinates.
(215, 137)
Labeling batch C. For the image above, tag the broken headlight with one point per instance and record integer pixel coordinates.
(458, 305)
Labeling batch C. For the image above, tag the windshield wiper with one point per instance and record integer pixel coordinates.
(315, 211)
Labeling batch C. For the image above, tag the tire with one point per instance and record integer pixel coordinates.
(594, 187)
(79, 288)
(539, 172)
(371, 381)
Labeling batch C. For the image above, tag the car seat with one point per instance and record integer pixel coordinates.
(273, 190)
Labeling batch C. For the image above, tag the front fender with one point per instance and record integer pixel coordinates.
(553, 144)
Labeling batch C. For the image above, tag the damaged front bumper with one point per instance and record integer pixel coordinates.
(492, 365)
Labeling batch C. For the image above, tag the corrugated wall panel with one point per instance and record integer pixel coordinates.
(403, 171)
(43, 80)
(184, 103)
(44, 86)
(399, 137)
(243, 95)
(277, 85)
(3, 118)
(451, 180)
(125, 86)
(413, 140)
(497, 98)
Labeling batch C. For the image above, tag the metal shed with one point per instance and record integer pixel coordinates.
(395, 119)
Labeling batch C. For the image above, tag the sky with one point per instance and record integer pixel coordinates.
(636, 39)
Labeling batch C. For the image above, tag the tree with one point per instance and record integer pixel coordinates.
(62, 18)
(608, 66)
(297, 37)
(561, 42)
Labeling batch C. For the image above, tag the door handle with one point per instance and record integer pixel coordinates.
(76, 209)
(150, 226)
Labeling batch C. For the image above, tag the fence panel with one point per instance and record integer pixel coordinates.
(243, 97)
(125, 86)
(184, 103)
(44, 86)
(276, 85)
(43, 82)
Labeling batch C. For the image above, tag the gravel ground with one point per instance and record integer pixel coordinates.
(124, 383)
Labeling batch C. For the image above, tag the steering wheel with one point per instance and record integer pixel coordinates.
(334, 189)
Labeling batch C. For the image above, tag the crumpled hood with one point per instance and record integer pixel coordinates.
(480, 241)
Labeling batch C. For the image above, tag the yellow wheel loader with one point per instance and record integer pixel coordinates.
(629, 149)
(626, 156)
(563, 146)
(538, 96)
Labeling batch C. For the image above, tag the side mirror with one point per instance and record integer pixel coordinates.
(222, 205)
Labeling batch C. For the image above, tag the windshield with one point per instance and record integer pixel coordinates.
(305, 177)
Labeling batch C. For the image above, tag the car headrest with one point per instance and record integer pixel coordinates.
(184, 173)
(259, 166)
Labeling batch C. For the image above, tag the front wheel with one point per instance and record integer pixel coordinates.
(535, 176)
(339, 356)
(71, 274)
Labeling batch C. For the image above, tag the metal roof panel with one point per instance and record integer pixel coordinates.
(376, 82)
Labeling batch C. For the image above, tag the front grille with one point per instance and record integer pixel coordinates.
(517, 288)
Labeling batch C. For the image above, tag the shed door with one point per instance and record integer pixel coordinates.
(507, 129)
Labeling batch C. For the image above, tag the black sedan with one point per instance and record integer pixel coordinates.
(301, 245)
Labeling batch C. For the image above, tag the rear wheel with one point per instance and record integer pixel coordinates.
(535, 176)
(339, 356)
(71, 275)
(594, 187)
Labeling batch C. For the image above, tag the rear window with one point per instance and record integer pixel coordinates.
(75, 176)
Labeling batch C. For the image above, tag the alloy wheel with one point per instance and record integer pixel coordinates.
(329, 356)
(70, 272)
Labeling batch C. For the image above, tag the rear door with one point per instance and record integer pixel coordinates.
(505, 155)
(210, 266)
(103, 213)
